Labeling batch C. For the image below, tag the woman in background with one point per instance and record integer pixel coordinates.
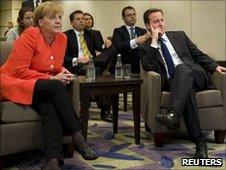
(24, 20)
(33, 75)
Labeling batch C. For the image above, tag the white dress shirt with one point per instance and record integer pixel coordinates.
(34, 1)
(80, 52)
(176, 59)
(133, 43)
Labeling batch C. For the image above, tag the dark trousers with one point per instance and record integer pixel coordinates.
(183, 87)
(52, 102)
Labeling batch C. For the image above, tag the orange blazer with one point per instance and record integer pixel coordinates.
(30, 59)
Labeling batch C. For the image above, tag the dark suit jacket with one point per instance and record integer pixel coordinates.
(121, 41)
(97, 35)
(72, 48)
(189, 54)
(30, 3)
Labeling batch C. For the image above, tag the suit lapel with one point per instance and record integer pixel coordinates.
(126, 32)
(74, 41)
(175, 42)
(88, 40)
(158, 56)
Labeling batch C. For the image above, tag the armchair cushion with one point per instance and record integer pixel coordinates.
(12, 113)
(205, 99)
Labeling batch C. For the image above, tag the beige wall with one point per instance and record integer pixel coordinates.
(203, 21)
(8, 12)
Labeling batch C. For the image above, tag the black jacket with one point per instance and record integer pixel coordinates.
(189, 54)
(121, 41)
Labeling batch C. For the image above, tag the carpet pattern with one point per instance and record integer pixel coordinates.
(121, 152)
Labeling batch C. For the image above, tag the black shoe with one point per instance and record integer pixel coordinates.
(201, 150)
(170, 120)
(88, 153)
(106, 116)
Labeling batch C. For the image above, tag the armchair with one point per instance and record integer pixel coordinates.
(20, 125)
(211, 105)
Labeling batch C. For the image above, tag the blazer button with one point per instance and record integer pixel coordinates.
(51, 66)
(51, 57)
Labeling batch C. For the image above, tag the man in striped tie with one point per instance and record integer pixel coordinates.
(81, 45)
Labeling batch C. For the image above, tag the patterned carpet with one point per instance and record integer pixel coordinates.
(121, 152)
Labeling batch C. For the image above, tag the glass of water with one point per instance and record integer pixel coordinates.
(127, 71)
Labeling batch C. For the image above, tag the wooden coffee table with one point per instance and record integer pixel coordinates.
(109, 85)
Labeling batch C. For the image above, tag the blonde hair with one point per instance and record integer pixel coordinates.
(46, 8)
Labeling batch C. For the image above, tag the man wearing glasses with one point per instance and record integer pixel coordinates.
(127, 38)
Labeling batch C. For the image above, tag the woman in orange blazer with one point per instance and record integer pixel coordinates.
(33, 75)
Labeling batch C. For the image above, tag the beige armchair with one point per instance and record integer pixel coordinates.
(211, 104)
(20, 125)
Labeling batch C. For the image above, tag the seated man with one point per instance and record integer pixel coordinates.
(81, 45)
(127, 38)
(184, 70)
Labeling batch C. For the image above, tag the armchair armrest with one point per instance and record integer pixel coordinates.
(73, 89)
(220, 82)
(150, 96)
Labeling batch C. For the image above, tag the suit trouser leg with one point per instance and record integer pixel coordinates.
(52, 102)
(191, 118)
(183, 89)
(103, 101)
(52, 130)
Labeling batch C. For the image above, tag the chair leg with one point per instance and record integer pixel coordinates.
(125, 101)
(219, 136)
(147, 128)
(158, 139)
(68, 150)
(1, 162)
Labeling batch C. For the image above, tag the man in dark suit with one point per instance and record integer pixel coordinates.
(184, 70)
(74, 59)
(77, 58)
(127, 38)
(32, 3)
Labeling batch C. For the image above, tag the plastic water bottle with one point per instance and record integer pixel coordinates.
(90, 71)
(118, 68)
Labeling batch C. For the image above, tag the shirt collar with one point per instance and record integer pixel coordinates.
(78, 33)
(128, 27)
(164, 37)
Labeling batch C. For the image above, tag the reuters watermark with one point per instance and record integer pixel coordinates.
(213, 162)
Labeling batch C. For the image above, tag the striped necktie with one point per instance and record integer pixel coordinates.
(133, 33)
(84, 47)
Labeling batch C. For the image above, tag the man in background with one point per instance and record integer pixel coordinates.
(32, 3)
(9, 26)
(81, 45)
(127, 38)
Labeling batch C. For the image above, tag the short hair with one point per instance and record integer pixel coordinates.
(46, 8)
(20, 17)
(72, 15)
(126, 8)
(148, 12)
(86, 13)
